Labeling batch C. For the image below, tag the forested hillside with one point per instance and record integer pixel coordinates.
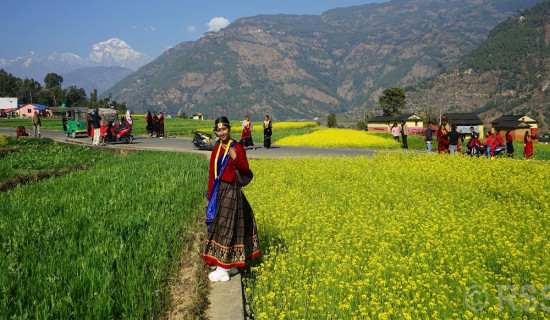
(508, 73)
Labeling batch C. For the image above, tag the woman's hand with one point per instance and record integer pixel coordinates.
(232, 153)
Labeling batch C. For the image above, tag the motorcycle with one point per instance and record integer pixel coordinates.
(204, 141)
(499, 151)
(115, 133)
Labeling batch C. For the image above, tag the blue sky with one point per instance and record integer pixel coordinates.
(47, 26)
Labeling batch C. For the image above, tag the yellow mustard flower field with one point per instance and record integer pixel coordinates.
(339, 138)
(401, 236)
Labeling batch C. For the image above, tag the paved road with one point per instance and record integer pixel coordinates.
(171, 144)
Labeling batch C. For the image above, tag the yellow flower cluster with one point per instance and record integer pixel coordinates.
(339, 138)
(397, 236)
(283, 126)
(293, 125)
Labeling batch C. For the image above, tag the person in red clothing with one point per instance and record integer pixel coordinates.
(247, 133)
(155, 124)
(161, 125)
(442, 141)
(497, 141)
(528, 145)
(488, 143)
(509, 143)
(232, 234)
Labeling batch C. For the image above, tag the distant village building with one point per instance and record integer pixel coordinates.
(518, 124)
(463, 122)
(198, 116)
(29, 109)
(7, 106)
(384, 123)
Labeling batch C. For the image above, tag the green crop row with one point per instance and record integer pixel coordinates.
(28, 160)
(98, 243)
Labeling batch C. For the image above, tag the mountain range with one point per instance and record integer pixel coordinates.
(113, 57)
(306, 66)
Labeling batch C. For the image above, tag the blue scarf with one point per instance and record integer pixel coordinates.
(211, 209)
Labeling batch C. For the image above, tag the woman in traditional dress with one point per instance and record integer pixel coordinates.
(442, 141)
(528, 145)
(509, 143)
(161, 125)
(155, 124)
(232, 235)
(149, 123)
(268, 131)
(247, 134)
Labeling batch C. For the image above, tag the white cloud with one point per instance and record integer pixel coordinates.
(151, 28)
(191, 29)
(217, 23)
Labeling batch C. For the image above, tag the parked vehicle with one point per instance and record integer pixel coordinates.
(204, 141)
(74, 121)
(499, 151)
(111, 130)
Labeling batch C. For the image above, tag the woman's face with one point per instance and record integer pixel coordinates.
(223, 132)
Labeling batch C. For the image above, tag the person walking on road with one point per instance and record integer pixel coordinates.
(247, 134)
(404, 134)
(161, 125)
(36, 124)
(268, 131)
(232, 237)
(155, 124)
(97, 127)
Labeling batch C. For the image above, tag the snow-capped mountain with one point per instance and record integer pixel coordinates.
(115, 52)
(111, 53)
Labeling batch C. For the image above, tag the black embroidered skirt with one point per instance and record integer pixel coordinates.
(233, 236)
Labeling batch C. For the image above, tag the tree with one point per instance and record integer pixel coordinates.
(45, 97)
(8, 84)
(53, 80)
(392, 101)
(331, 120)
(74, 97)
(93, 97)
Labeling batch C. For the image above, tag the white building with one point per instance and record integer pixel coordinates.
(7, 105)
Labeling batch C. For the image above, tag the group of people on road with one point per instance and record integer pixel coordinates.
(402, 130)
(154, 124)
(449, 141)
(246, 136)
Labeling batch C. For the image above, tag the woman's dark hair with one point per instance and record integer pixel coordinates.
(223, 120)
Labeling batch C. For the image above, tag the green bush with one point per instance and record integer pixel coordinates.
(362, 125)
(3, 141)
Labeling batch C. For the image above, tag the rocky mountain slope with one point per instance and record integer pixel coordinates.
(305, 66)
